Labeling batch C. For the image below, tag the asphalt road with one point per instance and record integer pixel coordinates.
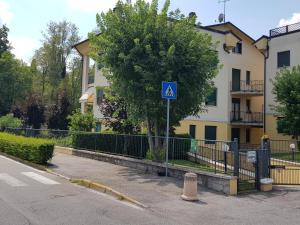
(29, 196)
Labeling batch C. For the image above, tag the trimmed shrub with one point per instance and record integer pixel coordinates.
(130, 145)
(30, 149)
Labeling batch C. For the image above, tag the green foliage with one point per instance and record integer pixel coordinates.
(30, 149)
(141, 47)
(130, 145)
(4, 43)
(15, 81)
(81, 122)
(114, 110)
(10, 121)
(287, 96)
(58, 113)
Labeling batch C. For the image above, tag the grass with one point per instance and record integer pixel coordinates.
(194, 165)
(287, 156)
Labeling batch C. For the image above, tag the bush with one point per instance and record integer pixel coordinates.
(30, 149)
(10, 121)
(81, 122)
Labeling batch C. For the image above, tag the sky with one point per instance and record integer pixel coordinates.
(27, 19)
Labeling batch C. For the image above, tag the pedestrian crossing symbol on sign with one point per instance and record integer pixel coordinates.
(169, 90)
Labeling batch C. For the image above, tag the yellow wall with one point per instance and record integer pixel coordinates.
(223, 129)
(271, 129)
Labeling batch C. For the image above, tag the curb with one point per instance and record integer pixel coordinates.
(105, 189)
(83, 182)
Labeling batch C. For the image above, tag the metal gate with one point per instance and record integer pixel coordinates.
(251, 165)
(285, 162)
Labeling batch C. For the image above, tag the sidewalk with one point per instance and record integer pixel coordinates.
(162, 195)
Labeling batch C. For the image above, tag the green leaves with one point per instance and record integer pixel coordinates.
(287, 96)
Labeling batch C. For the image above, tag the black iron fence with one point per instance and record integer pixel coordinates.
(284, 29)
(246, 117)
(251, 86)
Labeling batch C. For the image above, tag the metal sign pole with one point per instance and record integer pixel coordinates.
(168, 128)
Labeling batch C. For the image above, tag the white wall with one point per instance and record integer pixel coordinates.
(287, 42)
(101, 81)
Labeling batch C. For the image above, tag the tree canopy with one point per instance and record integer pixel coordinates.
(287, 96)
(141, 47)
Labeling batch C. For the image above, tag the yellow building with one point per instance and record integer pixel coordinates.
(281, 49)
(235, 110)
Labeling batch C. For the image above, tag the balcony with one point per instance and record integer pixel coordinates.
(243, 87)
(246, 118)
(285, 30)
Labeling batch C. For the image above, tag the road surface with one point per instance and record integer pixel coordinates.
(29, 196)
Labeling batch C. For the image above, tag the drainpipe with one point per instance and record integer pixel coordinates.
(266, 56)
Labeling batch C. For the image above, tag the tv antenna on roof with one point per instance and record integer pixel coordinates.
(222, 18)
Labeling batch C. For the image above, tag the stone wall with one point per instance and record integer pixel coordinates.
(218, 182)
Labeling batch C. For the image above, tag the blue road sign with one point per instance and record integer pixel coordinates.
(169, 90)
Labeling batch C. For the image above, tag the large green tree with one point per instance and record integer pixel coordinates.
(53, 57)
(287, 96)
(141, 47)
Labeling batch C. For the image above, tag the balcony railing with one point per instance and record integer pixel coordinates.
(253, 86)
(246, 117)
(284, 30)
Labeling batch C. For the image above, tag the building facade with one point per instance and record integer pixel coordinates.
(282, 50)
(236, 110)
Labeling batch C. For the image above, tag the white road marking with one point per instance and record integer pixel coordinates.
(39, 178)
(3, 157)
(11, 180)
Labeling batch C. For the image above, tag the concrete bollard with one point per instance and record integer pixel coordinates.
(190, 188)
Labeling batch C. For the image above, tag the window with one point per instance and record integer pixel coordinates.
(210, 134)
(248, 77)
(211, 99)
(248, 135)
(283, 59)
(238, 48)
(192, 131)
(248, 106)
(100, 96)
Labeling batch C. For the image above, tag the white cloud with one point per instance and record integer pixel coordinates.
(93, 5)
(5, 13)
(294, 19)
(23, 47)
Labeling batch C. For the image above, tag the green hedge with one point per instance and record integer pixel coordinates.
(30, 149)
(135, 146)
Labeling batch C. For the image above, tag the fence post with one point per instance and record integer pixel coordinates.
(141, 150)
(257, 170)
(235, 149)
(225, 161)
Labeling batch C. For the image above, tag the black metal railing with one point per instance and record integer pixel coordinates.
(285, 29)
(252, 86)
(246, 117)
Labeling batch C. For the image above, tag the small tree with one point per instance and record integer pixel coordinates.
(58, 113)
(81, 122)
(287, 95)
(115, 114)
(34, 111)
